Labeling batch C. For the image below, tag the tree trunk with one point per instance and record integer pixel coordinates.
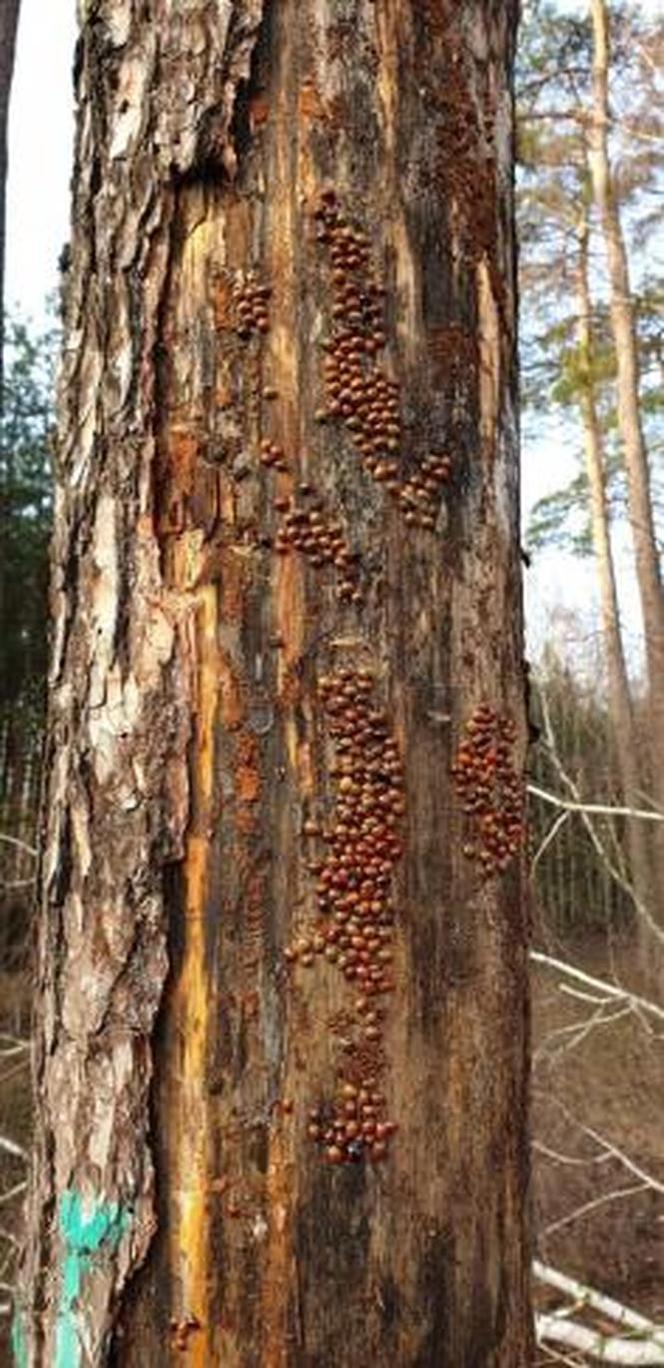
(8, 25)
(262, 946)
(9, 10)
(651, 590)
(620, 703)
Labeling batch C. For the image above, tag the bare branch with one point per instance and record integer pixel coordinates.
(547, 840)
(585, 1295)
(570, 1159)
(11, 1147)
(609, 989)
(22, 845)
(577, 1031)
(12, 1192)
(600, 808)
(608, 1146)
(604, 1348)
(616, 1195)
(619, 878)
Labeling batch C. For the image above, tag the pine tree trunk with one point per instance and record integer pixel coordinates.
(651, 589)
(8, 25)
(620, 702)
(9, 11)
(283, 909)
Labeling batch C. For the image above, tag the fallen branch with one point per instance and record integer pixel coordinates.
(644, 1353)
(589, 1296)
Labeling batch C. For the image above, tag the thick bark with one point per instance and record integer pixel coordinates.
(620, 702)
(651, 589)
(195, 697)
(9, 10)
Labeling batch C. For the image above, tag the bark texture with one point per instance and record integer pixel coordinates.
(651, 588)
(9, 10)
(196, 747)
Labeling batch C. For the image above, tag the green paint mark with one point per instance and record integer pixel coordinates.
(19, 1341)
(83, 1236)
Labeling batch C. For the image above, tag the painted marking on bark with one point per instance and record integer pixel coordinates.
(19, 1342)
(86, 1234)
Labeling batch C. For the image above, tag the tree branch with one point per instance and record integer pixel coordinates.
(599, 1301)
(605, 1349)
(601, 808)
(616, 1195)
(609, 989)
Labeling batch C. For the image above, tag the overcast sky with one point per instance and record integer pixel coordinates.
(40, 139)
(40, 157)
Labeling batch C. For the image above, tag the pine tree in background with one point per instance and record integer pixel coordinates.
(26, 438)
(570, 355)
(9, 12)
(607, 195)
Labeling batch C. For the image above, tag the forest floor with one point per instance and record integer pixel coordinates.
(593, 1071)
(598, 1129)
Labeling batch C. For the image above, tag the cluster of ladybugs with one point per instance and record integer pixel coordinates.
(353, 888)
(350, 1130)
(321, 540)
(357, 390)
(490, 789)
(252, 302)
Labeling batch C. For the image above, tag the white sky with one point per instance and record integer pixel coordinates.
(40, 158)
(40, 152)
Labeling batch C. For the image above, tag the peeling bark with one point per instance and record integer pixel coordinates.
(190, 755)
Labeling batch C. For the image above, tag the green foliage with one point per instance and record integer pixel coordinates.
(26, 427)
(561, 520)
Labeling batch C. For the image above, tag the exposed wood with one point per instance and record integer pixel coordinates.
(214, 663)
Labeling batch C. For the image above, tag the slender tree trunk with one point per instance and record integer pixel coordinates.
(275, 727)
(620, 703)
(651, 590)
(9, 10)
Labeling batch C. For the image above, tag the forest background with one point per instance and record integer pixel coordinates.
(591, 270)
